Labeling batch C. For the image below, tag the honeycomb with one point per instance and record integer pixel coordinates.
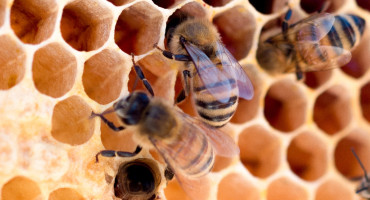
(60, 60)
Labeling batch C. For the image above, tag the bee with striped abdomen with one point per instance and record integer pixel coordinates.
(364, 189)
(210, 72)
(139, 180)
(187, 145)
(320, 42)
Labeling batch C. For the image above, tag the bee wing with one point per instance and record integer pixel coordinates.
(319, 58)
(196, 140)
(180, 154)
(222, 144)
(213, 79)
(312, 29)
(232, 68)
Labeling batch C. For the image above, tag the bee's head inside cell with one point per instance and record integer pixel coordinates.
(129, 109)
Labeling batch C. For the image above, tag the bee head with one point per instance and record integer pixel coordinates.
(199, 32)
(270, 58)
(131, 108)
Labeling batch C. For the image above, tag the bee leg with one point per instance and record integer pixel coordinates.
(187, 76)
(112, 153)
(170, 55)
(185, 92)
(109, 123)
(168, 173)
(140, 74)
(285, 25)
(299, 73)
(180, 97)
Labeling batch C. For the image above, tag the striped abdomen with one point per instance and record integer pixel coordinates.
(190, 152)
(214, 112)
(345, 33)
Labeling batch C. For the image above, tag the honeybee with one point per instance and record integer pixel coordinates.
(139, 180)
(210, 72)
(320, 42)
(187, 145)
(364, 189)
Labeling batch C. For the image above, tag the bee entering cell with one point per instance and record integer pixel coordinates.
(187, 145)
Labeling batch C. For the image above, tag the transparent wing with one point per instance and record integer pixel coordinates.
(232, 68)
(215, 82)
(195, 146)
(319, 58)
(179, 154)
(222, 143)
(312, 29)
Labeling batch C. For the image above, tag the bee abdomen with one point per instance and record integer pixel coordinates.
(195, 155)
(230, 81)
(214, 112)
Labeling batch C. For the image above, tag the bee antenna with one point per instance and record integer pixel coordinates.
(93, 114)
(362, 166)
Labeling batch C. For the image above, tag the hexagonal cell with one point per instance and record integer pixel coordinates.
(252, 105)
(119, 2)
(217, 3)
(138, 28)
(107, 69)
(260, 151)
(12, 62)
(137, 179)
(85, 24)
(365, 4)
(317, 5)
(316, 79)
(285, 106)
(236, 27)
(365, 101)
(235, 186)
(54, 70)
(307, 162)
(33, 21)
(332, 110)
(268, 6)
(2, 11)
(113, 140)
(65, 193)
(71, 123)
(284, 188)
(20, 188)
(189, 10)
(334, 189)
(345, 161)
(168, 3)
(359, 63)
